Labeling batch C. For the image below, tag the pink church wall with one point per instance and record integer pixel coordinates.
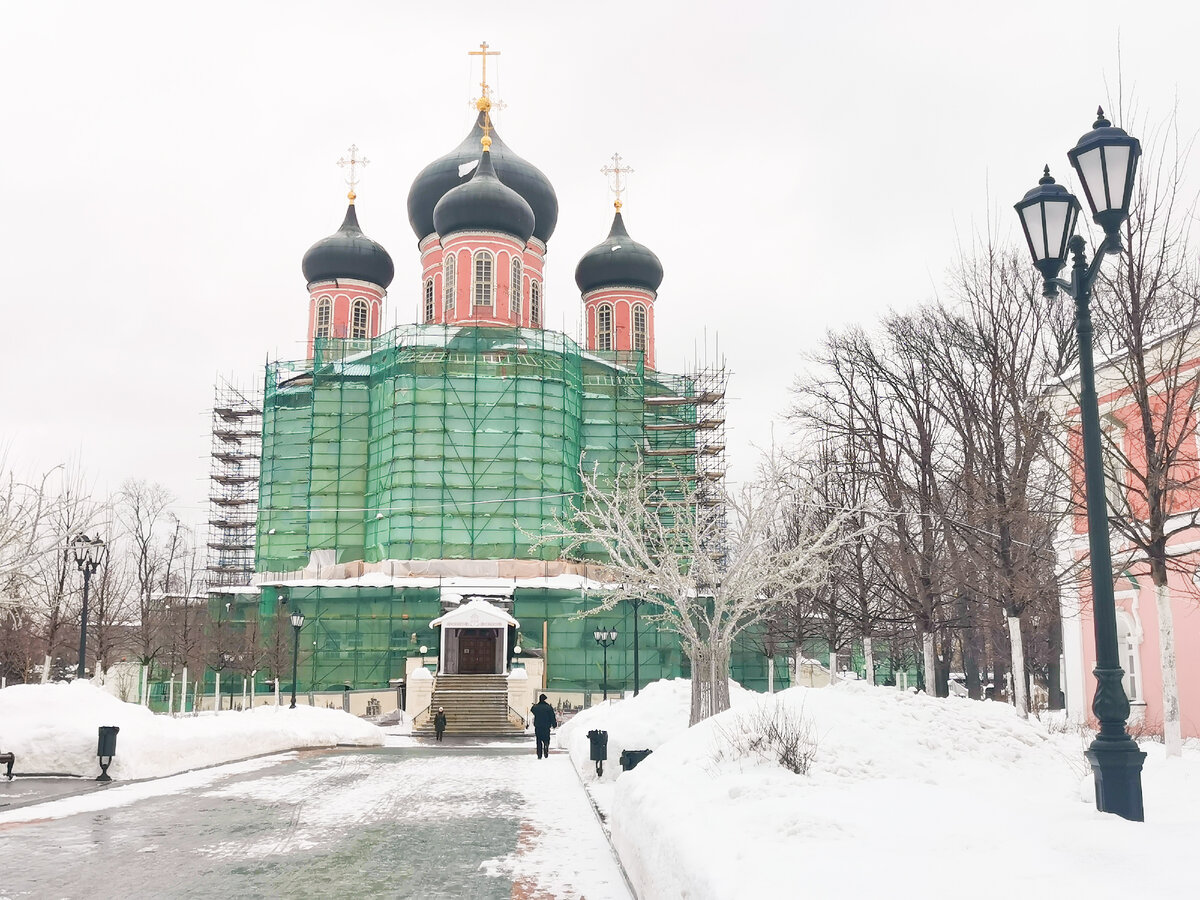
(464, 246)
(342, 294)
(1139, 603)
(623, 300)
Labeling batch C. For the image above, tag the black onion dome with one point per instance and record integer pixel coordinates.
(348, 253)
(618, 261)
(484, 204)
(442, 175)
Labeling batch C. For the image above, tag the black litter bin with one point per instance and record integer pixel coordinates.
(599, 741)
(630, 758)
(106, 749)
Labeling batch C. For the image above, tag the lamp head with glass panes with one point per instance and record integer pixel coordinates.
(1106, 160)
(1048, 215)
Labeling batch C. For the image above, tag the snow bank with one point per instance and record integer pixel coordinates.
(52, 728)
(906, 794)
(658, 713)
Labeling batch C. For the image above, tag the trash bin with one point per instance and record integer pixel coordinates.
(106, 749)
(599, 753)
(630, 758)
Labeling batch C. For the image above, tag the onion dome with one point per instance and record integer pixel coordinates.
(484, 204)
(348, 253)
(452, 170)
(619, 261)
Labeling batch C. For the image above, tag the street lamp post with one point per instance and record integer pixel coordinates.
(89, 554)
(605, 639)
(636, 603)
(297, 624)
(1105, 159)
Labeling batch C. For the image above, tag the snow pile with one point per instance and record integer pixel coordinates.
(905, 794)
(52, 728)
(658, 713)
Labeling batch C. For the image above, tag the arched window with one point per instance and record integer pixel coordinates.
(324, 318)
(514, 291)
(429, 300)
(1130, 658)
(604, 330)
(484, 264)
(535, 303)
(639, 328)
(450, 286)
(358, 320)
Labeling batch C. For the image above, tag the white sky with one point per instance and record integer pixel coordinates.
(799, 166)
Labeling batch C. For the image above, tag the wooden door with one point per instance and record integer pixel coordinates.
(477, 651)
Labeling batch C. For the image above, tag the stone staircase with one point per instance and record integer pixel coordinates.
(474, 704)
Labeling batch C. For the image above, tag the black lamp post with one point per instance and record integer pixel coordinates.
(297, 624)
(605, 639)
(1105, 159)
(89, 554)
(636, 603)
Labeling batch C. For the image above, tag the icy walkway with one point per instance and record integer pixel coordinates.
(413, 822)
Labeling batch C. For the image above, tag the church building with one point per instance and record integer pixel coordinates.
(405, 475)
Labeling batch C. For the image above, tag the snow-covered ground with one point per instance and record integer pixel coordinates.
(52, 728)
(906, 796)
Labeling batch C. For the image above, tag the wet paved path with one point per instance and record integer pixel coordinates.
(416, 822)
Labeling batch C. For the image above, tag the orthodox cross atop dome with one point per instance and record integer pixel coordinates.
(616, 184)
(352, 162)
(484, 103)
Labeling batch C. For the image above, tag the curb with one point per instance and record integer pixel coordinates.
(603, 830)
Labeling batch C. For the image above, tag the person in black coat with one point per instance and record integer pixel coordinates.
(439, 723)
(543, 720)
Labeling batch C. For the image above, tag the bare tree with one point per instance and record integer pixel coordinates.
(881, 397)
(153, 538)
(654, 549)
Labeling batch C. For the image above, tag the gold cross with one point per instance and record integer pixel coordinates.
(617, 185)
(484, 96)
(353, 161)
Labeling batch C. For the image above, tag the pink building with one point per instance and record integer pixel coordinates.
(1138, 632)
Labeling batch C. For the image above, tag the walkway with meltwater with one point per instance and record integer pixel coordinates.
(452, 821)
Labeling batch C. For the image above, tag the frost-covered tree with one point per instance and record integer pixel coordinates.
(702, 558)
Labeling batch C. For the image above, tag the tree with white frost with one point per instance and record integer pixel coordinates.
(703, 579)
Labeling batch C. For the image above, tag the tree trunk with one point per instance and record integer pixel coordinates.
(930, 663)
(145, 698)
(1170, 675)
(217, 692)
(46, 669)
(710, 681)
(1054, 667)
(832, 667)
(183, 691)
(770, 674)
(1020, 698)
(869, 658)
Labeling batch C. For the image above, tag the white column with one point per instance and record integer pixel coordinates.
(503, 649)
(443, 640)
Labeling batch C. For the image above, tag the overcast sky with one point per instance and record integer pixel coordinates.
(798, 167)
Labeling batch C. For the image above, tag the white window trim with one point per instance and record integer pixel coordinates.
(355, 305)
(450, 287)
(430, 311)
(325, 304)
(535, 303)
(515, 279)
(604, 335)
(645, 330)
(487, 284)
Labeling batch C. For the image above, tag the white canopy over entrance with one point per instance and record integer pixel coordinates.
(474, 639)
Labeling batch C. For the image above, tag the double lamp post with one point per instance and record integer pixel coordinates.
(1105, 160)
(89, 555)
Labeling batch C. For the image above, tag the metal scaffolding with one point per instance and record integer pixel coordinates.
(233, 497)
